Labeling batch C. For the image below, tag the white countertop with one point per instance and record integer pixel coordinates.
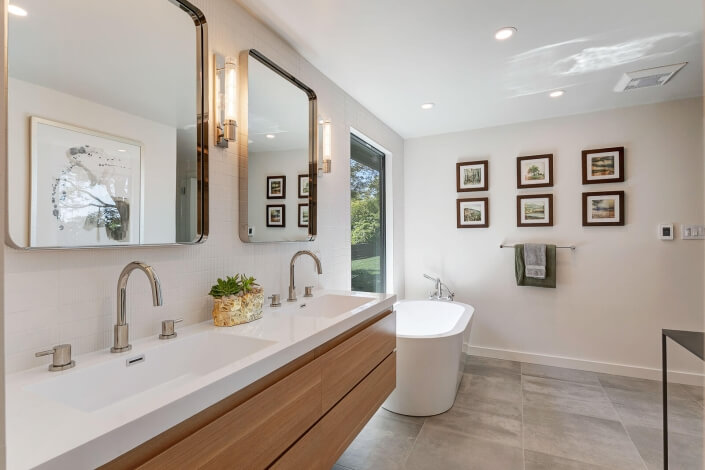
(48, 434)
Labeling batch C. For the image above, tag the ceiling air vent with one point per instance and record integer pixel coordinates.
(657, 76)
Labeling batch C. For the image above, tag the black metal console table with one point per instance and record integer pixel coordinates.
(693, 341)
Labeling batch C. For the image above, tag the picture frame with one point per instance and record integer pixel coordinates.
(535, 171)
(603, 208)
(276, 187)
(473, 212)
(276, 215)
(472, 176)
(303, 215)
(603, 165)
(535, 210)
(303, 186)
(86, 187)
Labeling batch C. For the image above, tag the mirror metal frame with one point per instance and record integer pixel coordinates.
(202, 207)
(243, 153)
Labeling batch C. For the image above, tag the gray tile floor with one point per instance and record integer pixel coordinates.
(511, 415)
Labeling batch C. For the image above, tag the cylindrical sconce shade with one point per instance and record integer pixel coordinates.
(327, 145)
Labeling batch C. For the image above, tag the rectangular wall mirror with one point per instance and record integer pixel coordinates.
(107, 140)
(278, 169)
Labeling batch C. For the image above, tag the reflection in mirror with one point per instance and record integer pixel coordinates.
(280, 132)
(105, 142)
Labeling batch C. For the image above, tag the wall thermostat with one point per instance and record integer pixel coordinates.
(665, 231)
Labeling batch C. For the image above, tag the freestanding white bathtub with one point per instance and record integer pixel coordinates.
(430, 336)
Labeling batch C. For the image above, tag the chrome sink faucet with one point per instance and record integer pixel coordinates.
(292, 286)
(121, 343)
(438, 289)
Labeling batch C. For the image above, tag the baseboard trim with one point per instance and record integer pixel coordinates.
(676, 376)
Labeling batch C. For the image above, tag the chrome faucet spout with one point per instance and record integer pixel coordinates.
(292, 286)
(121, 333)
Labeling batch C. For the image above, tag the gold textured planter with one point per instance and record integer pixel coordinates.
(237, 309)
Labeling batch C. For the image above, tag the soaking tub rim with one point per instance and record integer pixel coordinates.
(464, 319)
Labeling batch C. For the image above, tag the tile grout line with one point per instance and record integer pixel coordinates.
(621, 423)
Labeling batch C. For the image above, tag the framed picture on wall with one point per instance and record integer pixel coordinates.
(276, 215)
(303, 186)
(535, 210)
(473, 212)
(603, 165)
(471, 176)
(535, 171)
(85, 186)
(276, 187)
(603, 208)
(303, 215)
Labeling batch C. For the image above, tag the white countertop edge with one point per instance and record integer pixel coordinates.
(106, 446)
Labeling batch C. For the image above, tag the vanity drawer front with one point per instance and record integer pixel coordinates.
(321, 447)
(348, 363)
(256, 432)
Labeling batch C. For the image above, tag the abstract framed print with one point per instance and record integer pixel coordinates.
(86, 187)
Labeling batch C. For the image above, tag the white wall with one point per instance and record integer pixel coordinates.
(621, 285)
(75, 302)
(260, 165)
(158, 154)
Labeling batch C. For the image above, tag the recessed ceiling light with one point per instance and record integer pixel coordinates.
(15, 10)
(122, 150)
(505, 33)
(270, 136)
(427, 105)
(556, 94)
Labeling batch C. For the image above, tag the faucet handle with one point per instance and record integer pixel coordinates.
(168, 328)
(276, 300)
(61, 357)
(308, 291)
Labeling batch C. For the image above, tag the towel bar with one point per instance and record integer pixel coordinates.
(571, 247)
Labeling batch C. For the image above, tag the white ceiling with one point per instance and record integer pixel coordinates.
(101, 51)
(276, 107)
(394, 55)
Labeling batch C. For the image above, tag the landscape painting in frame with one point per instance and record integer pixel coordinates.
(535, 210)
(471, 176)
(303, 215)
(86, 187)
(603, 208)
(535, 171)
(603, 165)
(276, 215)
(473, 213)
(303, 186)
(276, 187)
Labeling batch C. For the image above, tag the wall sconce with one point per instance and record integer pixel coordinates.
(326, 145)
(225, 106)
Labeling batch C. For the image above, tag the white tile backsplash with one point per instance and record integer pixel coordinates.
(56, 297)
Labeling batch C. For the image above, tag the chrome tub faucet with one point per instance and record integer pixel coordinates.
(438, 289)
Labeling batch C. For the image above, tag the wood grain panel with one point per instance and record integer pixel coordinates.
(255, 433)
(321, 447)
(144, 452)
(341, 338)
(349, 362)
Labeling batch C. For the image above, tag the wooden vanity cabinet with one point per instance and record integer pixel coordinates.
(302, 416)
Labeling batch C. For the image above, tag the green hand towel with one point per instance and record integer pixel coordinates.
(520, 272)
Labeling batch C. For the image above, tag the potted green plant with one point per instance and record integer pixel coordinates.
(238, 299)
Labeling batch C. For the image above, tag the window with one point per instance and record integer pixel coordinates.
(367, 217)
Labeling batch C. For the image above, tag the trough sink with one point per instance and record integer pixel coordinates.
(331, 305)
